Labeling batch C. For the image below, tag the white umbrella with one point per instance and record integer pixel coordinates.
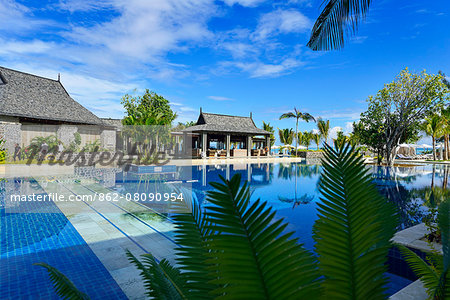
(275, 147)
(426, 146)
(301, 147)
(289, 146)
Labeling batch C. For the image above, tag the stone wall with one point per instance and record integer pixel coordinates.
(310, 154)
(66, 133)
(12, 134)
(108, 139)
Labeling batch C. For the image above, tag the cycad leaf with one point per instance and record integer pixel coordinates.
(353, 230)
(426, 273)
(443, 289)
(337, 18)
(251, 258)
(162, 281)
(63, 286)
(192, 234)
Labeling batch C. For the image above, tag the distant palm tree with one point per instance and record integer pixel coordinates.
(267, 127)
(307, 137)
(316, 138)
(338, 18)
(324, 128)
(296, 114)
(445, 113)
(286, 136)
(433, 126)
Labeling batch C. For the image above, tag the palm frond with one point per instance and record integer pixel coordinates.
(63, 286)
(353, 230)
(443, 289)
(192, 233)
(426, 273)
(288, 115)
(338, 18)
(161, 280)
(252, 257)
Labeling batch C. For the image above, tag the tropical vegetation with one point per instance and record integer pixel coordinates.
(434, 272)
(237, 247)
(297, 115)
(286, 136)
(434, 127)
(267, 127)
(324, 128)
(2, 150)
(395, 113)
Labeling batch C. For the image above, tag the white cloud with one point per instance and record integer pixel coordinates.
(220, 98)
(16, 47)
(346, 114)
(334, 131)
(248, 3)
(17, 18)
(281, 21)
(150, 29)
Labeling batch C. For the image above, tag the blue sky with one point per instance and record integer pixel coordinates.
(230, 57)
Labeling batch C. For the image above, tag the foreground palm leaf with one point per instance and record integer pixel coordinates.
(435, 273)
(63, 286)
(161, 280)
(192, 234)
(252, 257)
(337, 18)
(353, 230)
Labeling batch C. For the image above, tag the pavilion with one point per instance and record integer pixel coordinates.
(217, 135)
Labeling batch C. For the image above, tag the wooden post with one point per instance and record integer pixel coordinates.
(228, 145)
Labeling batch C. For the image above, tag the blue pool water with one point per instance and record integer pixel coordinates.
(292, 190)
(39, 232)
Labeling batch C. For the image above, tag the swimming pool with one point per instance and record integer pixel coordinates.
(42, 231)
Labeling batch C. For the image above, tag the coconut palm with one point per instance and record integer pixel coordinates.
(433, 126)
(307, 137)
(296, 114)
(267, 127)
(316, 139)
(286, 136)
(338, 18)
(445, 113)
(324, 128)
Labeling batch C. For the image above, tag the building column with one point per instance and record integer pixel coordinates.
(184, 148)
(204, 142)
(228, 145)
(249, 145)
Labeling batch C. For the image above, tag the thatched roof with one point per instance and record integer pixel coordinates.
(29, 96)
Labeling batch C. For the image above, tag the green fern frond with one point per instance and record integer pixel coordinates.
(427, 274)
(192, 233)
(252, 257)
(161, 280)
(353, 230)
(63, 286)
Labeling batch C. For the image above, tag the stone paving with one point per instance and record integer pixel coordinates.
(110, 231)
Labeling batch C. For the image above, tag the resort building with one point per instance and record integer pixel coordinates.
(216, 135)
(32, 106)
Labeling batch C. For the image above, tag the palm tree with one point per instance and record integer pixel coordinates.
(286, 136)
(267, 127)
(316, 138)
(433, 126)
(297, 115)
(445, 113)
(307, 137)
(324, 128)
(338, 18)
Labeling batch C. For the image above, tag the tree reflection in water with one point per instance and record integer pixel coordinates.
(296, 170)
